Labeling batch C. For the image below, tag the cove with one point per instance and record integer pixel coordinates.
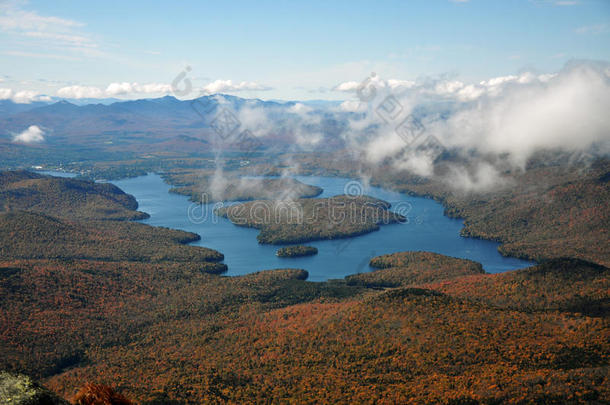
(426, 229)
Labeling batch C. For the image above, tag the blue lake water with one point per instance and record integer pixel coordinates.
(427, 229)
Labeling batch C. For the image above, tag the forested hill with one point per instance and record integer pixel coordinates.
(46, 217)
(65, 197)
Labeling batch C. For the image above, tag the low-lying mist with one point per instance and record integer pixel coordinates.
(475, 132)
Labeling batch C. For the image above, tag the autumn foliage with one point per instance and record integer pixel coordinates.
(98, 394)
(93, 302)
(551, 210)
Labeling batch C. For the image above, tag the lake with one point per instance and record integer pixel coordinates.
(426, 229)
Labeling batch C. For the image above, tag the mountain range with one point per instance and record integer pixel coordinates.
(155, 125)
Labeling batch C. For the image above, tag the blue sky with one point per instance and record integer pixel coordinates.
(286, 50)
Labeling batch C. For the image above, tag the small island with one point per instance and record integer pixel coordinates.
(297, 251)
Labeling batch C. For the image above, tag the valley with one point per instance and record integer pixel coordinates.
(418, 320)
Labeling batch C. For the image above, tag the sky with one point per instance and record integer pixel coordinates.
(283, 50)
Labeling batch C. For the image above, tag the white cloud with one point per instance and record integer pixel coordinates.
(255, 120)
(117, 89)
(227, 86)
(566, 111)
(382, 147)
(23, 96)
(375, 81)
(444, 88)
(31, 135)
(13, 18)
(469, 93)
(219, 98)
(153, 88)
(300, 108)
(6, 94)
(347, 86)
(41, 55)
(448, 87)
(27, 96)
(504, 119)
(481, 177)
(61, 34)
(113, 89)
(396, 84)
(421, 165)
(353, 106)
(595, 29)
(546, 77)
(495, 81)
(68, 38)
(491, 87)
(80, 92)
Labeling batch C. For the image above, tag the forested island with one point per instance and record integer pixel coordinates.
(206, 186)
(312, 219)
(297, 251)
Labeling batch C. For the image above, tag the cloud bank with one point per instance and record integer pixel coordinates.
(23, 96)
(568, 111)
(114, 89)
(228, 86)
(80, 92)
(495, 124)
(134, 88)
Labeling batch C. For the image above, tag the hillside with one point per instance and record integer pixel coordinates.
(79, 260)
(286, 340)
(569, 285)
(171, 331)
(28, 235)
(413, 268)
(549, 211)
(65, 197)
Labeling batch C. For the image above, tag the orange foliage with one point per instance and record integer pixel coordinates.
(98, 394)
